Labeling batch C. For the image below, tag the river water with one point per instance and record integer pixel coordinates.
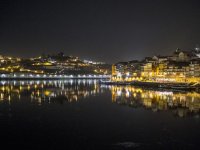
(82, 114)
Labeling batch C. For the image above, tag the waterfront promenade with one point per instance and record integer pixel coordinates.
(50, 76)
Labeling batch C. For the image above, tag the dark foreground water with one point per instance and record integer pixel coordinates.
(81, 114)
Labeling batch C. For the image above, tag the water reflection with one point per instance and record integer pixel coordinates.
(181, 103)
(50, 91)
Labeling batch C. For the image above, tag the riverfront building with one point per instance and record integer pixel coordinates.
(181, 66)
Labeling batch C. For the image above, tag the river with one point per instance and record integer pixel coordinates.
(82, 114)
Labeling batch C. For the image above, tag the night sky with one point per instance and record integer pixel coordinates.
(103, 30)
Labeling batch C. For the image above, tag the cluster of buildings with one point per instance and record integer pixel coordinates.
(181, 66)
(56, 64)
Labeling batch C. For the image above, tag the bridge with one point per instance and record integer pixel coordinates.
(50, 76)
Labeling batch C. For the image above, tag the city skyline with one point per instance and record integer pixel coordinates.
(104, 74)
(108, 31)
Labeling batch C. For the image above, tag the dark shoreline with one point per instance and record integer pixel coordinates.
(156, 85)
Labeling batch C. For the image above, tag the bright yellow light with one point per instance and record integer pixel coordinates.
(47, 93)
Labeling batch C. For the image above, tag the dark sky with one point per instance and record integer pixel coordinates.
(103, 30)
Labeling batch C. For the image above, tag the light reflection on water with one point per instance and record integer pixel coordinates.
(69, 90)
(41, 91)
(182, 103)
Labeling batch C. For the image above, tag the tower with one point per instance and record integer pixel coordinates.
(197, 48)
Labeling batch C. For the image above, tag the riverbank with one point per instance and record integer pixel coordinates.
(161, 85)
(49, 76)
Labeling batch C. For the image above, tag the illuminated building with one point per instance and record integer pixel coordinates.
(182, 66)
(52, 64)
(195, 68)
